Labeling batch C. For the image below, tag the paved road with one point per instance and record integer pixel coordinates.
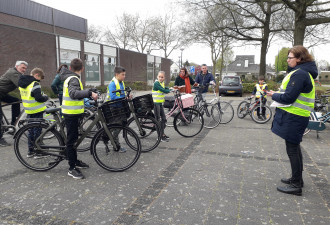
(227, 175)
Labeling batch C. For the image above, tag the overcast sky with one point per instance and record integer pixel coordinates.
(104, 12)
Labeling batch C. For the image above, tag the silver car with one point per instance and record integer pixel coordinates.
(231, 85)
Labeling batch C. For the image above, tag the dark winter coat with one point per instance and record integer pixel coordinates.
(286, 125)
(9, 81)
(204, 79)
(75, 91)
(57, 85)
(180, 82)
(26, 80)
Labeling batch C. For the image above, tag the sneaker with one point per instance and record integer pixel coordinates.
(163, 139)
(4, 143)
(76, 174)
(122, 150)
(39, 156)
(167, 137)
(30, 154)
(80, 164)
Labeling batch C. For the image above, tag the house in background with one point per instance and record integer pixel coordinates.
(245, 67)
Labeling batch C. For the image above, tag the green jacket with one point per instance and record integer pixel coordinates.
(57, 85)
(158, 87)
(9, 81)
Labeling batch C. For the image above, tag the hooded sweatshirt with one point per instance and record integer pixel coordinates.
(26, 80)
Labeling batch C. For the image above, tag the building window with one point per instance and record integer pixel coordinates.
(150, 73)
(92, 68)
(66, 56)
(109, 66)
(157, 69)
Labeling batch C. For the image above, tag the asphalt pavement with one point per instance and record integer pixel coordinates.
(226, 175)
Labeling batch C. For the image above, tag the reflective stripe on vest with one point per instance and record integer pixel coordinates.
(158, 96)
(304, 104)
(31, 106)
(260, 90)
(117, 88)
(69, 105)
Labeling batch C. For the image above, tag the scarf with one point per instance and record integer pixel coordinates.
(187, 83)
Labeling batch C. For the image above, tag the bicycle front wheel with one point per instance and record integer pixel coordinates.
(28, 154)
(243, 109)
(227, 112)
(261, 114)
(116, 159)
(211, 115)
(150, 132)
(190, 123)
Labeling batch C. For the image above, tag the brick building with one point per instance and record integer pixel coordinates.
(46, 37)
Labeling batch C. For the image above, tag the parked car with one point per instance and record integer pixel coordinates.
(231, 85)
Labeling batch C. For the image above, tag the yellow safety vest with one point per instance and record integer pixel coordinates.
(304, 104)
(69, 105)
(117, 88)
(31, 106)
(260, 90)
(158, 96)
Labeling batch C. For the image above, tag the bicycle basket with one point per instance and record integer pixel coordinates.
(169, 102)
(116, 111)
(187, 100)
(143, 104)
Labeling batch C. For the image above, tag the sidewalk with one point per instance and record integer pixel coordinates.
(227, 175)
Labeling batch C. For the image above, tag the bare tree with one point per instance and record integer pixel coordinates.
(307, 13)
(120, 36)
(94, 34)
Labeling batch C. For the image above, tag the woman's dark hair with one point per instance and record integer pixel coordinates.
(59, 70)
(119, 69)
(185, 71)
(300, 52)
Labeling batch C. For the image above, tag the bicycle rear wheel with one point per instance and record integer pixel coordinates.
(227, 112)
(192, 123)
(311, 118)
(211, 115)
(44, 161)
(111, 159)
(150, 135)
(257, 110)
(243, 109)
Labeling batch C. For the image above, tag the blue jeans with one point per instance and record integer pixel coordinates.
(34, 133)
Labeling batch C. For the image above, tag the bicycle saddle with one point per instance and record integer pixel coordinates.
(52, 110)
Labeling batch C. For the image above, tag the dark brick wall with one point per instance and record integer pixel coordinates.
(166, 67)
(38, 49)
(135, 64)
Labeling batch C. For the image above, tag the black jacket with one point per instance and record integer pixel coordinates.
(26, 80)
(75, 91)
(286, 125)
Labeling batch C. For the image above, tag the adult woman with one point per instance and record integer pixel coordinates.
(57, 84)
(184, 79)
(297, 93)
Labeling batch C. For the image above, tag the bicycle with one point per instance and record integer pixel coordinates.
(146, 126)
(103, 147)
(225, 108)
(255, 110)
(188, 122)
(211, 113)
(6, 126)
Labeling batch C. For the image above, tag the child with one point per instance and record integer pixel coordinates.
(261, 89)
(159, 98)
(33, 102)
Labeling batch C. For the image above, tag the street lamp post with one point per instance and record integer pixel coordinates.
(181, 55)
(179, 62)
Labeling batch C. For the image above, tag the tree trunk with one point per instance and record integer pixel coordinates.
(299, 32)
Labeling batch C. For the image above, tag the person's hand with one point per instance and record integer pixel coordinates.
(212, 82)
(94, 96)
(270, 93)
(196, 84)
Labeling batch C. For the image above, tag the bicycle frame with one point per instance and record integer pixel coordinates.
(6, 125)
(177, 106)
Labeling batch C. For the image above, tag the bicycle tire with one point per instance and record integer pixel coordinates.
(211, 115)
(111, 160)
(46, 162)
(86, 121)
(243, 109)
(261, 119)
(227, 112)
(151, 132)
(192, 126)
